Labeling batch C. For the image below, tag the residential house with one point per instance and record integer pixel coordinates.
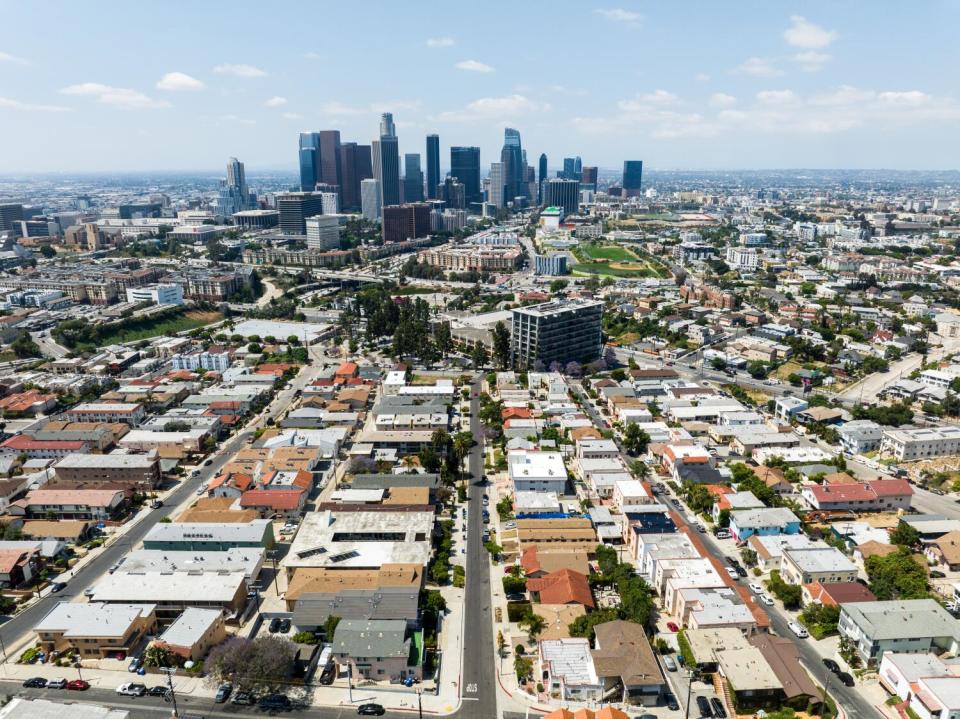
(816, 564)
(95, 629)
(623, 658)
(745, 523)
(878, 495)
(193, 633)
(379, 649)
(912, 625)
(563, 586)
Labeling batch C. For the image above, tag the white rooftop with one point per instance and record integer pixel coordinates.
(92, 619)
(536, 465)
(820, 559)
(191, 626)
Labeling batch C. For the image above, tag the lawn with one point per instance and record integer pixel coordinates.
(614, 253)
(147, 327)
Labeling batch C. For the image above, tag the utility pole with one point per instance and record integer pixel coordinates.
(169, 671)
(693, 672)
(419, 703)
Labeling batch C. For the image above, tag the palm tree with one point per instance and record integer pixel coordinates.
(533, 623)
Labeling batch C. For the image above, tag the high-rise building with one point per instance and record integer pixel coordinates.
(412, 178)
(370, 199)
(569, 168)
(355, 167)
(387, 128)
(433, 165)
(498, 187)
(330, 202)
(588, 178)
(11, 214)
(309, 160)
(329, 157)
(406, 222)
(465, 166)
(564, 193)
(577, 168)
(561, 331)
(511, 157)
(295, 208)
(541, 176)
(386, 169)
(632, 177)
(453, 193)
(233, 195)
(323, 232)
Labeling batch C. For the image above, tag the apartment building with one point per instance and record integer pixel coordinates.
(107, 413)
(911, 444)
(561, 331)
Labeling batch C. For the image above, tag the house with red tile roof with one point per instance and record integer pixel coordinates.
(31, 403)
(346, 372)
(44, 449)
(835, 594)
(285, 503)
(564, 586)
(878, 495)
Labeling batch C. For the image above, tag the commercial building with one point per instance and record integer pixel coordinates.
(913, 625)
(139, 471)
(465, 166)
(208, 360)
(552, 264)
(256, 219)
(107, 412)
(476, 258)
(309, 160)
(216, 537)
(561, 331)
(355, 167)
(95, 629)
(158, 294)
(371, 206)
(433, 165)
(878, 495)
(323, 232)
(295, 208)
(406, 222)
(563, 193)
(386, 169)
(913, 444)
(632, 177)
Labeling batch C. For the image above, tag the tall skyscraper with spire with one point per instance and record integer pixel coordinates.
(233, 195)
(511, 159)
(433, 166)
(541, 176)
(387, 128)
(386, 162)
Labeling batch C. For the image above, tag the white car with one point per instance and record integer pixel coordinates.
(755, 588)
(798, 630)
(132, 690)
(766, 599)
(733, 573)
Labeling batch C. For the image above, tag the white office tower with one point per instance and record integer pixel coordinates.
(370, 200)
(330, 202)
(323, 232)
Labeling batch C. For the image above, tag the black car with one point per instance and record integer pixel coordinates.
(57, 587)
(223, 693)
(274, 701)
(243, 699)
(732, 561)
(671, 702)
(831, 665)
(741, 572)
(327, 676)
(373, 710)
(718, 710)
(937, 575)
(845, 678)
(704, 706)
(284, 625)
(35, 683)
(157, 691)
(274, 625)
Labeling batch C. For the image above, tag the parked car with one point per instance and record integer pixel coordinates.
(373, 710)
(223, 692)
(845, 678)
(57, 587)
(285, 625)
(243, 699)
(937, 575)
(798, 630)
(35, 683)
(132, 690)
(723, 534)
(274, 701)
(741, 572)
(158, 691)
(510, 525)
(670, 663)
(766, 599)
(672, 626)
(732, 573)
(701, 529)
(156, 504)
(78, 685)
(755, 587)
(274, 626)
(671, 702)
(134, 664)
(59, 683)
(831, 665)
(704, 706)
(718, 709)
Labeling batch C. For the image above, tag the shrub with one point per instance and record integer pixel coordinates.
(517, 610)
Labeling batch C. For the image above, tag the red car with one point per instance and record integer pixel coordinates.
(673, 627)
(78, 685)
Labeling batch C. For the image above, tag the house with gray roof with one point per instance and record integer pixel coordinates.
(378, 649)
(912, 625)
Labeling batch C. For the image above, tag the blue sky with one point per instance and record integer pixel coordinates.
(164, 86)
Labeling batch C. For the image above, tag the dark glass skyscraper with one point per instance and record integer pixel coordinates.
(465, 166)
(511, 157)
(632, 177)
(569, 168)
(412, 178)
(309, 160)
(329, 157)
(561, 192)
(354, 168)
(433, 165)
(542, 175)
(588, 178)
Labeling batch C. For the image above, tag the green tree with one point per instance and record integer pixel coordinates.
(897, 576)
(635, 439)
(904, 535)
(262, 664)
(479, 355)
(501, 345)
(533, 623)
(48, 251)
(24, 346)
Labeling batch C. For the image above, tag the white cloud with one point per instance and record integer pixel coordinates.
(908, 98)
(758, 67)
(722, 99)
(311, 55)
(776, 97)
(803, 33)
(239, 70)
(292, 116)
(6, 102)
(494, 108)
(621, 16)
(702, 77)
(473, 66)
(275, 101)
(14, 59)
(121, 97)
(643, 103)
(340, 109)
(445, 41)
(811, 60)
(175, 81)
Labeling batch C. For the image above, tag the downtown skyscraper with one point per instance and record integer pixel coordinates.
(329, 165)
(309, 160)
(386, 162)
(412, 178)
(541, 176)
(632, 177)
(433, 166)
(233, 195)
(465, 166)
(513, 170)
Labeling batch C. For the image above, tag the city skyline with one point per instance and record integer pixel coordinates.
(815, 86)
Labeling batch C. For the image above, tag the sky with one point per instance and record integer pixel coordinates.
(163, 86)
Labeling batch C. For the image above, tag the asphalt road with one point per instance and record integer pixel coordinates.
(15, 628)
(478, 679)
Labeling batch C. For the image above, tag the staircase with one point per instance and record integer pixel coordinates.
(723, 689)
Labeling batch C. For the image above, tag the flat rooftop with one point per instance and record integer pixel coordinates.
(92, 619)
